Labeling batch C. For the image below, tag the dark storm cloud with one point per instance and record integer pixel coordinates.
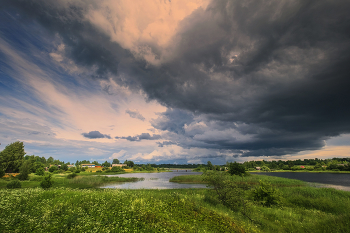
(95, 134)
(135, 114)
(173, 120)
(275, 70)
(165, 143)
(143, 136)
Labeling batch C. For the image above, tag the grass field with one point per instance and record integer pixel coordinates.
(301, 208)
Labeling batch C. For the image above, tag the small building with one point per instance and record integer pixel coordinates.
(88, 165)
(119, 165)
(258, 168)
(69, 166)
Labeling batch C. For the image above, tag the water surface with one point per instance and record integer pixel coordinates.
(155, 181)
(330, 180)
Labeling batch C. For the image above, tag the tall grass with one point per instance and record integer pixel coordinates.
(301, 208)
(58, 210)
(198, 179)
(60, 180)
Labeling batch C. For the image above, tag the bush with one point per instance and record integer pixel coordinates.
(47, 182)
(2, 172)
(236, 169)
(227, 191)
(71, 176)
(98, 171)
(64, 167)
(14, 184)
(265, 194)
(40, 171)
(77, 171)
(24, 171)
(53, 168)
(265, 169)
(117, 169)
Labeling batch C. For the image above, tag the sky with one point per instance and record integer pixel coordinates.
(176, 81)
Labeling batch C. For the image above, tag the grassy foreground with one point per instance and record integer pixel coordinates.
(301, 209)
(72, 210)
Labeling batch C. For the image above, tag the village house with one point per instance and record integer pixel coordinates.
(119, 165)
(87, 165)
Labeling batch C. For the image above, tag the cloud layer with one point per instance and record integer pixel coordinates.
(243, 78)
(143, 136)
(95, 134)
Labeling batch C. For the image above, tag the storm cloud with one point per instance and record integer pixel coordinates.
(95, 134)
(143, 136)
(254, 77)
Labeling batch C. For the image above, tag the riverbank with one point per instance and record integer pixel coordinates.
(81, 181)
(304, 170)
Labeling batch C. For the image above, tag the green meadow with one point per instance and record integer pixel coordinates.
(75, 205)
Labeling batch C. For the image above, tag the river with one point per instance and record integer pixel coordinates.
(329, 180)
(155, 181)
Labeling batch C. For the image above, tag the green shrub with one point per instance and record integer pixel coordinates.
(117, 169)
(40, 171)
(265, 194)
(265, 169)
(14, 184)
(47, 182)
(228, 192)
(24, 171)
(236, 169)
(77, 171)
(71, 176)
(2, 172)
(98, 171)
(53, 168)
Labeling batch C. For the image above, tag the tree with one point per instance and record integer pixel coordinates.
(209, 165)
(64, 167)
(236, 169)
(11, 158)
(115, 161)
(40, 171)
(24, 170)
(2, 172)
(53, 168)
(129, 163)
(96, 163)
(50, 160)
(47, 182)
(106, 164)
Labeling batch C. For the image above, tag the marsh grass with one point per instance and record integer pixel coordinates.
(36, 210)
(301, 208)
(198, 179)
(61, 180)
